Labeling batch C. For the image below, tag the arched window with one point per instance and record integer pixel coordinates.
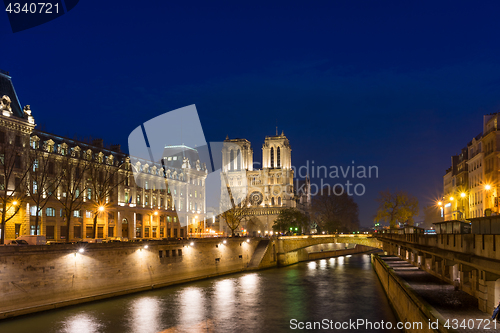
(279, 201)
(272, 157)
(272, 201)
(231, 160)
(278, 159)
(238, 160)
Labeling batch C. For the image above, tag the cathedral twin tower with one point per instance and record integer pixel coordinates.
(270, 188)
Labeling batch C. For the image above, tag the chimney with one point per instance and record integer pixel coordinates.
(98, 143)
(115, 148)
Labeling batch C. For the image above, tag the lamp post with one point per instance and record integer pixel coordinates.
(441, 207)
(487, 187)
(462, 195)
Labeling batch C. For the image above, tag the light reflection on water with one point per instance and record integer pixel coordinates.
(337, 289)
(80, 323)
(145, 314)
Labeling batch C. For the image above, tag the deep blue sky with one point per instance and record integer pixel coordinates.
(399, 85)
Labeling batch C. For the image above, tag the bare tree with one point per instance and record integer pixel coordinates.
(335, 213)
(396, 207)
(102, 179)
(73, 169)
(13, 173)
(233, 211)
(43, 181)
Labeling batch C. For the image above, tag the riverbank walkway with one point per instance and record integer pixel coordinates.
(460, 308)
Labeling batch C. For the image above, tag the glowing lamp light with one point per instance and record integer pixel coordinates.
(462, 195)
(224, 242)
(81, 250)
(440, 203)
(488, 187)
(145, 246)
(156, 213)
(451, 198)
(101, 208)
(15, 202)
(191, 243)
(248, 240)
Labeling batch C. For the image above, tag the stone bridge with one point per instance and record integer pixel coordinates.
(293, 243)
(292, 249)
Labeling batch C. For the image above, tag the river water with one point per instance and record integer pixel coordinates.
(331, 291)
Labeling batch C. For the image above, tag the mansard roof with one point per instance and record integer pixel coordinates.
(7, 88)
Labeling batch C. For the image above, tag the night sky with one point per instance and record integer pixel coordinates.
(398, 85)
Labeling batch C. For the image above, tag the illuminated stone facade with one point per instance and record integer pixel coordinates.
(136, 207)
(270, 189)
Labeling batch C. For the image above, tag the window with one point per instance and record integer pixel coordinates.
(272, 157)
(49, 231)
(50, 212)
(17, 162)
(100, 232)
(175, 219)
(146, 185)
(146, 232)
(126, 197)
(162, 230)
(179, 252)
(89, 193)
(77, 213)
(169, 219)
(138, 201)
(32, 230)
(88, 214)
(33, 210)
(278, 157)
(35, 187)
(35, 165)
(146, 199)
(154, 232)
(62, 234)
(77, 230)
(77, 192)
(89, 231)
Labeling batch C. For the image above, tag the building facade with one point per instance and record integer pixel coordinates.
(269, 189)
(471, 184)
(105, 193)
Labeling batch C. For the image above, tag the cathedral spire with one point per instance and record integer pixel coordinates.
(276, 130)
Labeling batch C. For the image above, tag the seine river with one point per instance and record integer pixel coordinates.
(335, 291)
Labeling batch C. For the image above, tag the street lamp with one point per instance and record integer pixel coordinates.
(101, 208)
(462, 195)
(440, 204)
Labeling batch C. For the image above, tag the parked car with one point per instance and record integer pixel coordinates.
(33, 239)
(18, 242)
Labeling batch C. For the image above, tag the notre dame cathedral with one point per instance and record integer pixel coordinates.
(270, 189)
